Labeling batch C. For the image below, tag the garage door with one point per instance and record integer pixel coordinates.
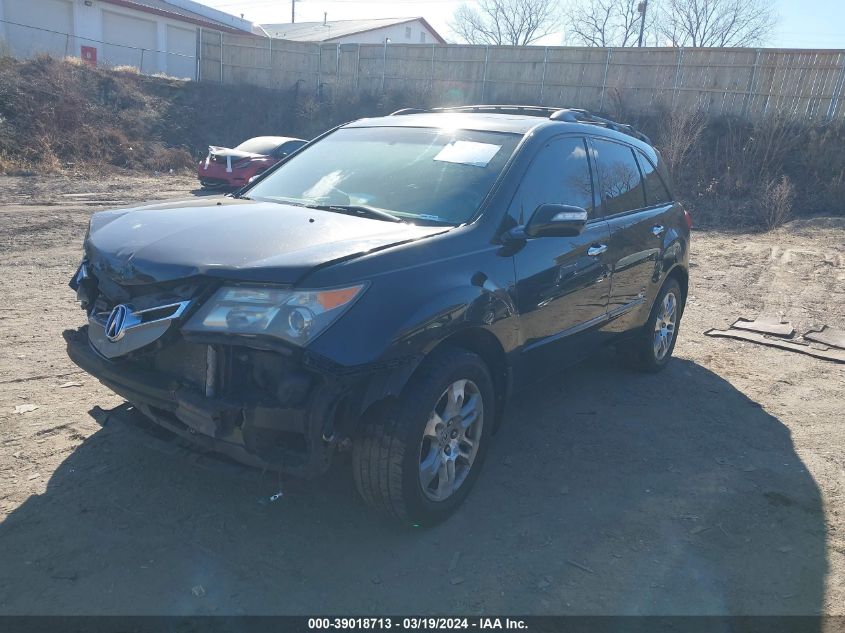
(131, 41)
(49, 15)
(181, 52)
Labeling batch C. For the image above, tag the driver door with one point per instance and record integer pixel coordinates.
(562, 283)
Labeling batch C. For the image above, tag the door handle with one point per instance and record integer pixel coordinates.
(596, 249)
(657, 230)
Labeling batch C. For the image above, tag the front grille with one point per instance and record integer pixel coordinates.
(183, 361)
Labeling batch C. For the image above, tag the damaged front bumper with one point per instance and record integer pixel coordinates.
(259, 407)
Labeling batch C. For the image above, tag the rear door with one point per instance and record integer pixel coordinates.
(636, 230)
(562, 283)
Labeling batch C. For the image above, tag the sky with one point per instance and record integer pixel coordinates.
(802, 23)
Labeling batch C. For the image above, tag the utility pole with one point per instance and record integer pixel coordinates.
(642, 7)
(293, 13)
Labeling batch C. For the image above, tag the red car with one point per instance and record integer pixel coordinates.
(224, 167)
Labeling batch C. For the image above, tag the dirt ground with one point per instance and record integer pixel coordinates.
(717, 486)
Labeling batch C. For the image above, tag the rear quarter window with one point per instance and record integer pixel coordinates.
(619, 175)
(655, 189)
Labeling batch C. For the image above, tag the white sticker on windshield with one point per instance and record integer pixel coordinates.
(468, 153)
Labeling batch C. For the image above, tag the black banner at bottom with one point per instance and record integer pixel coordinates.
(403, 623)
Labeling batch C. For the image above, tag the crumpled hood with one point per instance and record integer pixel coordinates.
(241, 240)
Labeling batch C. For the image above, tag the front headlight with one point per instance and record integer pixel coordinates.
(297, 316)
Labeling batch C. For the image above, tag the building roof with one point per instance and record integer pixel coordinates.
(336, 29)
(188, 11)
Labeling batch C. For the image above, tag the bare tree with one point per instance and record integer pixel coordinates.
(608, 22)
(506, 22)
(717, 22)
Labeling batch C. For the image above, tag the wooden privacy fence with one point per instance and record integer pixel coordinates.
(739, 81)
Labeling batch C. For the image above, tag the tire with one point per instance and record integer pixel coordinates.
(642, 351)
(395, 443)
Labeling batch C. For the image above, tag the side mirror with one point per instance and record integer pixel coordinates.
(556, 220)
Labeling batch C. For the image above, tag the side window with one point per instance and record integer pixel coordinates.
(622, 187)
(559, 173)
(655, 190)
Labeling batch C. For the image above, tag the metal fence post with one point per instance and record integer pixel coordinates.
(357, 66)
(837, 93)
(543, 79)
(198, 73)
(431, 82)
(141, 67)
(484, 75)
(604, 79)
(384, 66)
(677, 76)
(749, 94)
(319, 72)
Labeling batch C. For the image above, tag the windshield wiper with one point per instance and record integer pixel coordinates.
(361, 210)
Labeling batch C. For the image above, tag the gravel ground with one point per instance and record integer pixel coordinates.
(717, 486)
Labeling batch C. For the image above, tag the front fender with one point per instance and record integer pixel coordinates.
(481, 305)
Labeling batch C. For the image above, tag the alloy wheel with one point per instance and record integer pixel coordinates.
(665, 325)
(451, 439)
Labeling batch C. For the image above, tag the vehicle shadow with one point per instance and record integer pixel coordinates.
(605, 492)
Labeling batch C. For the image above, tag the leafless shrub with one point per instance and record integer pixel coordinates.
(681, 129)
(617, 108)
(775, 203)
(168, 158)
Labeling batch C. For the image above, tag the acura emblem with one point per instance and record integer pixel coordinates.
(116, 323)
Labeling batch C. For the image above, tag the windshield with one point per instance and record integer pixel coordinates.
(418, 174)
(259, 145)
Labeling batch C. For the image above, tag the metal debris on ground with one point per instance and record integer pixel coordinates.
(25, 408)
(835, 355)
(828, 336)
(765, 325)
(70, 384)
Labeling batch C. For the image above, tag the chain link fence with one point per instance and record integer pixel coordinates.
(23, 41)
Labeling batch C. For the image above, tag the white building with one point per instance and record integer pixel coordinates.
(397, 30)
(153, 35)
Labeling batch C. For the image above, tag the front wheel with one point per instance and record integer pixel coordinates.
(651, 348)
(418, 460)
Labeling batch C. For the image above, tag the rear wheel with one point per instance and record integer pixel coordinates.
(418, 460)
(651, 348)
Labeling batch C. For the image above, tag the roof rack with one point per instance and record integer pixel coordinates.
(576, 115)
(571, 115)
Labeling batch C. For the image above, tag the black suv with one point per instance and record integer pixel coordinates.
(384, 289)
